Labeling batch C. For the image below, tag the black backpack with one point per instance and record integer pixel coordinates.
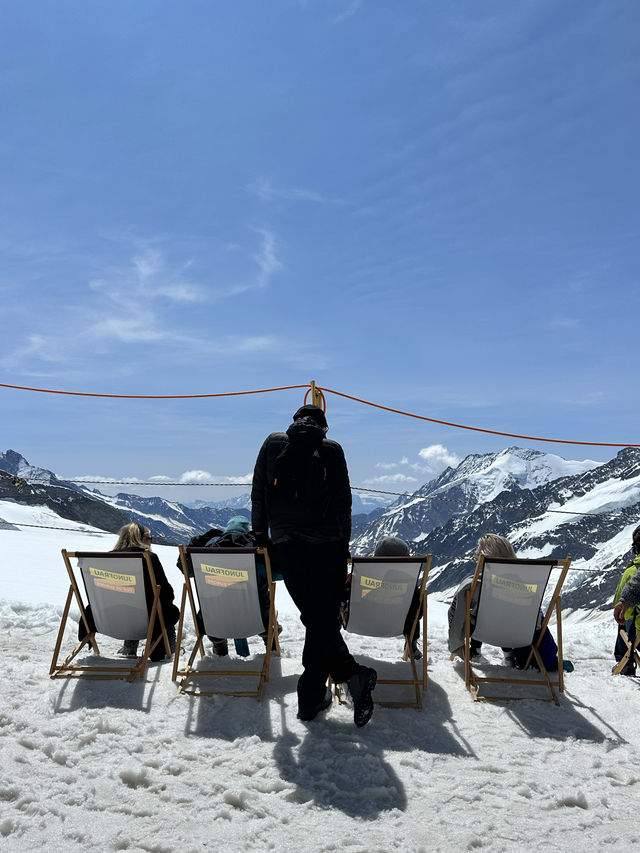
(300, 477)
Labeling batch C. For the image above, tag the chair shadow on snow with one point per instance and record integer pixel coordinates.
(432, 729)
(230, 717)
(78, 693)
(563, 723)
(541, 719)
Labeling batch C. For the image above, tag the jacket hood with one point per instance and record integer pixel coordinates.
(314, 412)
(306, 429)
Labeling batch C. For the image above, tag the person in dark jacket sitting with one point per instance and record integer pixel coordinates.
(237, 534)
(136, 537)
(301, 494)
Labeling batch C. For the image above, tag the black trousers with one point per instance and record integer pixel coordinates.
(314, 575)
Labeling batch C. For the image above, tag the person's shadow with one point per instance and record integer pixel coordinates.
(332, 753)
(324, 764)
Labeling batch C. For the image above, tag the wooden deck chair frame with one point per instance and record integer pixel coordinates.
(184, 674)
(630, 654)
(474, 681)
(129, 672)
(417, 682)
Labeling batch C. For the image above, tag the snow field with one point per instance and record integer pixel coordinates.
(107, 766)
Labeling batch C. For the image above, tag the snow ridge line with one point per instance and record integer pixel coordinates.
(110, 533)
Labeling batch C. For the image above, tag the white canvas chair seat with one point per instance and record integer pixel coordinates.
(507, 615)
(225, 591)
(382, 590)
(114, 586)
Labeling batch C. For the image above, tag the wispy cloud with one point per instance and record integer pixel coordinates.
(266, 258)
(150, 277)
(267, 190)
(350, 10)
(38, 347)
(127, 330)
(389, 466)
(390, 479)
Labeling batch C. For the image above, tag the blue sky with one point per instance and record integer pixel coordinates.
(428, 205)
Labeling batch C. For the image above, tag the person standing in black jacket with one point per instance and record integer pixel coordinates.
(301, 496)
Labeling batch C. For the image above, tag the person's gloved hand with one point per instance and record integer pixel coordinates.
(619, 610)
(262, 539)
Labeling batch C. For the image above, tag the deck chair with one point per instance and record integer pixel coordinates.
(630, 654)
(382, 591)
(114, 585)
(225, 591)
(509, 604)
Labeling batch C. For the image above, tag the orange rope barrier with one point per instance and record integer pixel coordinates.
(476, 429)
(152, 396)
(323, 400)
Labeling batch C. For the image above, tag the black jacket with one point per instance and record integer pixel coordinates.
(170, 612)
(301, 487)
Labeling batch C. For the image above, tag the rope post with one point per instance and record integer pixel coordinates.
(317, 397)
(316, 400)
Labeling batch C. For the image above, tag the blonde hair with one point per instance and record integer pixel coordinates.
(493, 545)
(133, 535)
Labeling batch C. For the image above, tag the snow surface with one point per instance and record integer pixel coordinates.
(108, 766)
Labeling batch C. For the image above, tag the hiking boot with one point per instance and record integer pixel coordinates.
(361, 686)
(307, 714)
(417, 654)
(476, 647)
(129, 649)
(220, 647)
(628, 669)
(171, 636)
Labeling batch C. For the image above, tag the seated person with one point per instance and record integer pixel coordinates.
(490, 545)
(389, 546)
(392, 546)
(627, 606)
(136, 537)
(237, 534)
(494, 546)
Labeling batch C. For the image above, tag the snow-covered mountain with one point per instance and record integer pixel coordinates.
(363, 503)
(587, 515)
(169, 521)
(45, 490)
(14, 463)
(457, 491)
